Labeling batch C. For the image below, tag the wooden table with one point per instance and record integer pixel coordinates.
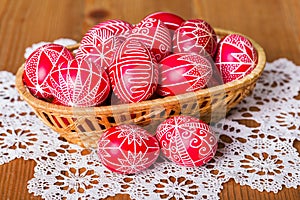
(274, 24)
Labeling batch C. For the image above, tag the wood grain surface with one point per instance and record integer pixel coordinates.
(274, 24)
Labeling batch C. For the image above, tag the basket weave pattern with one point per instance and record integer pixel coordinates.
(83, 126)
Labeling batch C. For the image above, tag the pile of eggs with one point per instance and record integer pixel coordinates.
(163, 55)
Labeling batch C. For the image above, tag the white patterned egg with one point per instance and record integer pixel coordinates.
(79, 84)
(184, 72)
(155, 35)
(127, 149)
(101, 41)
(187, 141)
(236, 57)
(134, 72)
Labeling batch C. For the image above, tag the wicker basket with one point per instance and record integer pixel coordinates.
(83, 126)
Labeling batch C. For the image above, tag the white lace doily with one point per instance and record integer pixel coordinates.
(261, 156)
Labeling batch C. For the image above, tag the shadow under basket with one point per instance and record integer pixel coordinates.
(84, 126)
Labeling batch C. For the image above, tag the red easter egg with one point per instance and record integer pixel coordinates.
(236, 57)
(184, 72)
(154, 34)
(101, 41)
(127, 149)
(134, 72)
(195, 35)
(171, 20)
(39, 65)
(79, 84)
(187, 141)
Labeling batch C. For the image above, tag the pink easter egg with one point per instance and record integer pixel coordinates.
(187, 141)
(183, 72)
(79, 84)
(134, 72)
(39, 65)
(127, 149)
(236, 57)
(195, 35)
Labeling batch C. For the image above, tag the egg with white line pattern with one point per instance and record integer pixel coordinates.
(102, 40)
(236, 57)
(183, 72)
(195, 35)
(79, 83)
(134, 72)
(127, 149)
(154, 34)
(187, 141)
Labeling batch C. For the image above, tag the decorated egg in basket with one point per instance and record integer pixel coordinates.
(154, 34)
(187, 141)
(195, 35)
(38, 67)
(134, 72)
(79, 84)
(184, 72)
(171, 20)
(236, 57)
(127, 149)
(101, 41)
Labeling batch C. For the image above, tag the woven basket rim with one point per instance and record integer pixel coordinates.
(120, 108)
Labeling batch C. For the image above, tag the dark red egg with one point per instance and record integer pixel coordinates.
(183, 72)
(127, 149)
(236, 57)
(79, 84)
(134, 72)
(38, 67)
(195, 35)
(187, 141)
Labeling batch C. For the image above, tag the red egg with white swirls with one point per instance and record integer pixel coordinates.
(127, 149)
(183, 72)
(39, 65)
(171, 20)
(187, 141)
(195, 35)
(101, 42)
(154, 34)
(236, 57)
(134, 72)
(79, 84)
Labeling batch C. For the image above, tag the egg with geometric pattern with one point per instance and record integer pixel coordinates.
(184, 72)
(127, 149)
(187, 141)
(195, 35)
(235, 57)
(79, 83)
(38, 67)
(99, 44)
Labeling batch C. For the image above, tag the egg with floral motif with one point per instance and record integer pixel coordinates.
(127, 149)
(100, 43)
